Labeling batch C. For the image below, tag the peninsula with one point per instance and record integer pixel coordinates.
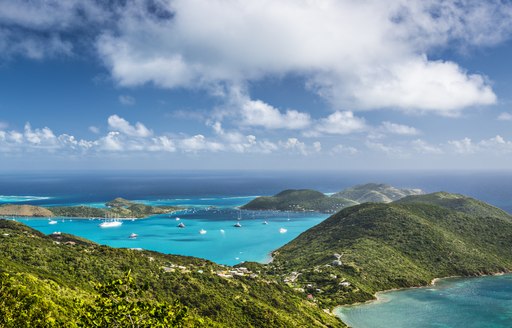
(117, 208)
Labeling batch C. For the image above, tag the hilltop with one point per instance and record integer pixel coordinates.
(298, 200)
(312, 200)
(373, 247)
(376, 193)
(44, 276)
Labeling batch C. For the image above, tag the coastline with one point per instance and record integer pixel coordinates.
(378, 295)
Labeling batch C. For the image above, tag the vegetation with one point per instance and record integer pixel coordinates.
(119, 207)
(372, 247)
(46, 275)
(312, 200)
(376, 193)
(299, 200)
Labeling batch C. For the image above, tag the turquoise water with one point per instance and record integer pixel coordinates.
(484, 302)
(222, 243)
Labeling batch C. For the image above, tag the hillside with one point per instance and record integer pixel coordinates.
(372, 247)
(376, 193)
(118, 207)
(458, 203)
(51, 279)
(24, 210)
(312, 200)
(298, 200)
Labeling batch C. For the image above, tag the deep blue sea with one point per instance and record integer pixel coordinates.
(212, 200)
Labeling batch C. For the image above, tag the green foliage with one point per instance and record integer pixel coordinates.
(22, 304)
(119, 207)
(374, 192)
(397, 245)
(298, 200)
(121, 303)
(63, 271)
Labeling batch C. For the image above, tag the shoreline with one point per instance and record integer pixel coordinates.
(378, 295)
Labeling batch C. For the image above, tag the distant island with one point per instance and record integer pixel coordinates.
(117, 208)
(312, 200)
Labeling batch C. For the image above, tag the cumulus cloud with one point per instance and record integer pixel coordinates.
(340, 123)
(126, 100)
(463, 146)
(259, 113)
(119, 124)
(399, 129)
(369, 54)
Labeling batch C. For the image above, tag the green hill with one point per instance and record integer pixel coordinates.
(458, 203)
(52, 281)
(312, 200)
(376, 193)
(298, 200)
(372, 247)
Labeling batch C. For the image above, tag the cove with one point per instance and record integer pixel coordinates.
(451, 303)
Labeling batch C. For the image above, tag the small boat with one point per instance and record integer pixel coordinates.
(133, 236)
(283, 230)
(237, 225)
(177, 219)
(265, 222)
(181, 225)
(222, 231)
(202, 231)
(110, 224)
(52, 222)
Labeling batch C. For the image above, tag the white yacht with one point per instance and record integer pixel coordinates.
(133, 236)
(110, 224)
(202, 231)
(283, 230)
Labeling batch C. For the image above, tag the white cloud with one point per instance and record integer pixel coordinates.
(111, 142)
(369, 54)
(119, 124)
(259, 113)
(505, 117)
(127, 100)
(391, 150)
(463, 146)
(294, 144)
(199, 143)
(424, 147)
(399, 129)
(338, 123)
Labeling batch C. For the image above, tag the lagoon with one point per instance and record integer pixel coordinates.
(222, 243)
(483, 302)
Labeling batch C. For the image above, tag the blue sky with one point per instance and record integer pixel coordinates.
(218, 84)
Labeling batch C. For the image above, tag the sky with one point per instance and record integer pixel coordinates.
(255, 84)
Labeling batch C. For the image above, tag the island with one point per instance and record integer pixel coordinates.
(118, 208)
(312, 200)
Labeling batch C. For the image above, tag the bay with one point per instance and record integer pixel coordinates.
(483, 302)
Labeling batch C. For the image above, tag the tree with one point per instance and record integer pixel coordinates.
(120, 304)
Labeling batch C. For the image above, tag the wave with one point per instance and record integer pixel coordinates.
(14, 198)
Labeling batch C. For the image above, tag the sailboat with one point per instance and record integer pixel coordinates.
(237, 225)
